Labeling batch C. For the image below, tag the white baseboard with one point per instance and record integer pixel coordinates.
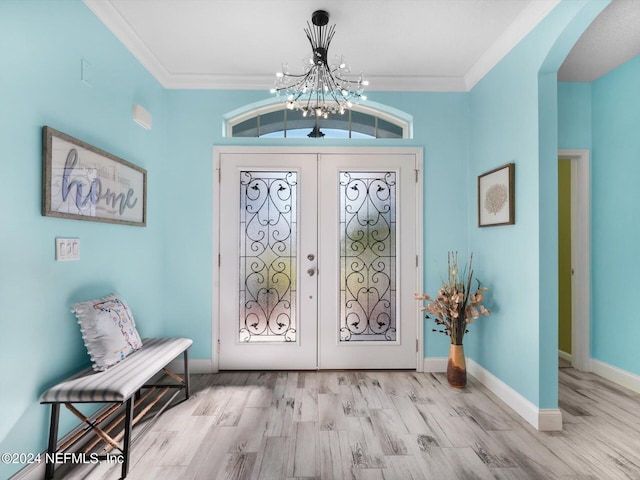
(34, 471)
(549, 420)
(196, 366)
(435, 364)
(565, 356)
(616, 375)
(546, 420)
(542, 419)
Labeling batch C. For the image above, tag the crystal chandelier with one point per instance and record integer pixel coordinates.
(321, 89)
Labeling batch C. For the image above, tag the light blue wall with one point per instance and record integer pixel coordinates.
(574, 115)
(514, 119)
(41, 47)
(504, 115)
(602, 116)
(195, 126)
(615, 216)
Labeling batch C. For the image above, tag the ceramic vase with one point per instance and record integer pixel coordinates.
(456, 367)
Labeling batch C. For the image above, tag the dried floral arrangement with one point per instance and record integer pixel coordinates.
(456, 306)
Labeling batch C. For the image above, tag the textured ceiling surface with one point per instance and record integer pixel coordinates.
(612, 39)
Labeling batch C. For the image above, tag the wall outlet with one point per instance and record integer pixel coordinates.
(67, 249)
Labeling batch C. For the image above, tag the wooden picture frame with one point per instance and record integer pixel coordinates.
(496, 197)
(82, 182)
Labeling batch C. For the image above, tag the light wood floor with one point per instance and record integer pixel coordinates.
(381, 425)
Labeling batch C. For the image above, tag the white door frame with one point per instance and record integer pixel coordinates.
(580, 258)
(219, 150)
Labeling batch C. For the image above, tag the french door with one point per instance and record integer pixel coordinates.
(317, 260)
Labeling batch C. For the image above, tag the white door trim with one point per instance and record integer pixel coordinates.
(215, 267)
(222, 149)
(580, 258)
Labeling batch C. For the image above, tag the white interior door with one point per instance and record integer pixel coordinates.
(268, 243)
(368, 261)
(318, 261)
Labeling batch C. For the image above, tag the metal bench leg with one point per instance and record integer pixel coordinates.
(187, 391)
(53, 440)
(128, 425)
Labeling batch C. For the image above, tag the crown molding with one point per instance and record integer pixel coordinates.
(108, 14)
(200, 81)
(404, 83)
(528, 19)
(264, 82)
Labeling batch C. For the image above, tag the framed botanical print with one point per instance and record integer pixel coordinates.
(496, 197)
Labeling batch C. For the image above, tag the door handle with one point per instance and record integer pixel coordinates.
(311, 271)
(310, 257)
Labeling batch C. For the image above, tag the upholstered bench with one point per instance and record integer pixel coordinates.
(119, 385)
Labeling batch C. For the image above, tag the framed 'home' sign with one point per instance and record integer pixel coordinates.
(85, 183)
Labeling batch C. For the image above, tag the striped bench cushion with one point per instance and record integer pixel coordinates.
(121, 380)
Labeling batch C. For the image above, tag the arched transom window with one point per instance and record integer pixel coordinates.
(276, 121)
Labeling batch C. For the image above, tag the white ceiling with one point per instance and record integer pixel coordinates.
(413, 45)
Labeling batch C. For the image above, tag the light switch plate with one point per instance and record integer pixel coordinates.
(67, 249)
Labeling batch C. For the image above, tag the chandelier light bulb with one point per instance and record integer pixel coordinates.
(321, 89)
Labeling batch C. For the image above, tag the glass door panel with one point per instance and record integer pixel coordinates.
(268, 256)
(367, 256)
(268, 286)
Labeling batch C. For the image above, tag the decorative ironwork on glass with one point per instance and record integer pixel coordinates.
(268, 233)
(367, 256)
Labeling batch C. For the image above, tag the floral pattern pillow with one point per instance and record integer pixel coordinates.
(108, 330)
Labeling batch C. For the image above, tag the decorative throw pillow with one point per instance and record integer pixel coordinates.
(108, 330)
